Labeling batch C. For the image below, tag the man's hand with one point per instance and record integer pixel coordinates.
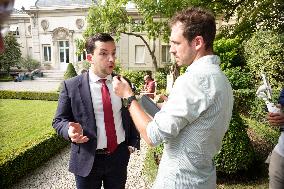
(276, 119)
(131, 149)
(75, 133)
(121, 87)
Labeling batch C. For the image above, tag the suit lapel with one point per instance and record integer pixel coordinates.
(84, 89)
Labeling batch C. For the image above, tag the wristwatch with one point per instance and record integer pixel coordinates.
(128, 101)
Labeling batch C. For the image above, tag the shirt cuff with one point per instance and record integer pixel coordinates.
(153, 133)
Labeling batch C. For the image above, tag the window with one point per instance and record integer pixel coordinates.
(47, 53)
(166, 55)
(30, 53)
(139, 54)
(14, 29)
(81, 56)
(64, 51)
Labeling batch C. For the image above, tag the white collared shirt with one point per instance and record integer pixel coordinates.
(95, 88)
(192, 124)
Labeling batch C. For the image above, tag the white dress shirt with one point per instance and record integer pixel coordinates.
(191, 124)
(95, 88)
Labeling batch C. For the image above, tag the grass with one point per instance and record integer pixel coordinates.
(259, 184)
(23, 124)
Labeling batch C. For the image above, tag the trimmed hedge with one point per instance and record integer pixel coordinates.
(237, 153)
(29, 95)
(70, 72)
(18, 166)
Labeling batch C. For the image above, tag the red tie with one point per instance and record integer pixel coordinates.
(108, 118)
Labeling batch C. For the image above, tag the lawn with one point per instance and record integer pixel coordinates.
(23, 124)
(260, 184)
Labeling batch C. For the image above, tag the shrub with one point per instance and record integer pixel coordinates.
(15, 167)
(264, 51)
(28, 95)
(150, 168)
(12, 54)
(6, 77)
(29, 63)
(230, 52)
(136, 77)
(233, 63)
(161, 79)
(70, 72)
(239, 78)
(82, 65)
(237, 153)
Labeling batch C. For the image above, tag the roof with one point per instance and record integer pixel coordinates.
(52, 3)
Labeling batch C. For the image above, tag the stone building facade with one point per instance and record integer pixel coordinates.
(48, 32)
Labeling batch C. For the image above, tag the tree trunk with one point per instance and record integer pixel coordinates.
(152, 52)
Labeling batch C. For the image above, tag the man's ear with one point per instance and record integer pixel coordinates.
(89, 57)
(199, 42)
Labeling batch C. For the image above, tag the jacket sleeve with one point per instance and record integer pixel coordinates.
(133, 134)
(63, 113)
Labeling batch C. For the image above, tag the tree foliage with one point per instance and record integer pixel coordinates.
(70, 72)
(29, 63)
(252, 16)
(152, 20)
(12, 53)
(264, 52)
(237, 153)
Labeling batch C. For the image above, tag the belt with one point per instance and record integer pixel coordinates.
(104, 151)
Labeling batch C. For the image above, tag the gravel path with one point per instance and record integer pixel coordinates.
(54, 173)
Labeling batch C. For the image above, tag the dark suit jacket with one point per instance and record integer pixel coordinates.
(75, 105)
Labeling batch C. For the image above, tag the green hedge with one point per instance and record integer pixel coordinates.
(19, 165)
(237, 153)
(29, 95)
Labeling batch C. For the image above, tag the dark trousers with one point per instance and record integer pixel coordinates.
(111, 170)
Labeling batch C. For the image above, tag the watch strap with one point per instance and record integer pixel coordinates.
(130, 99)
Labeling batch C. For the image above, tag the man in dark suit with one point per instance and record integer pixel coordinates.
(94, 119)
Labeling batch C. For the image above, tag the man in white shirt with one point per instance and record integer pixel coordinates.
(276, 164)
(193, 121)
(94, 119)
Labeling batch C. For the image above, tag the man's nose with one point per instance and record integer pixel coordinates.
(172, 49)
(111, 58)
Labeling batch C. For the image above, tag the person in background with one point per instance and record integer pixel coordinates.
(149, 86)
(6, 7)
(93, 118)
(276, 164)
(193, 121)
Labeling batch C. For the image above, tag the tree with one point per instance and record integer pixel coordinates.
(12, 53)
(152, 19)
(70, 72)
(251, 16)
(29, 63)
(264, 52)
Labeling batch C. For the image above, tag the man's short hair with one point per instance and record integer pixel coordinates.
(90, 43)
(197, 22)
